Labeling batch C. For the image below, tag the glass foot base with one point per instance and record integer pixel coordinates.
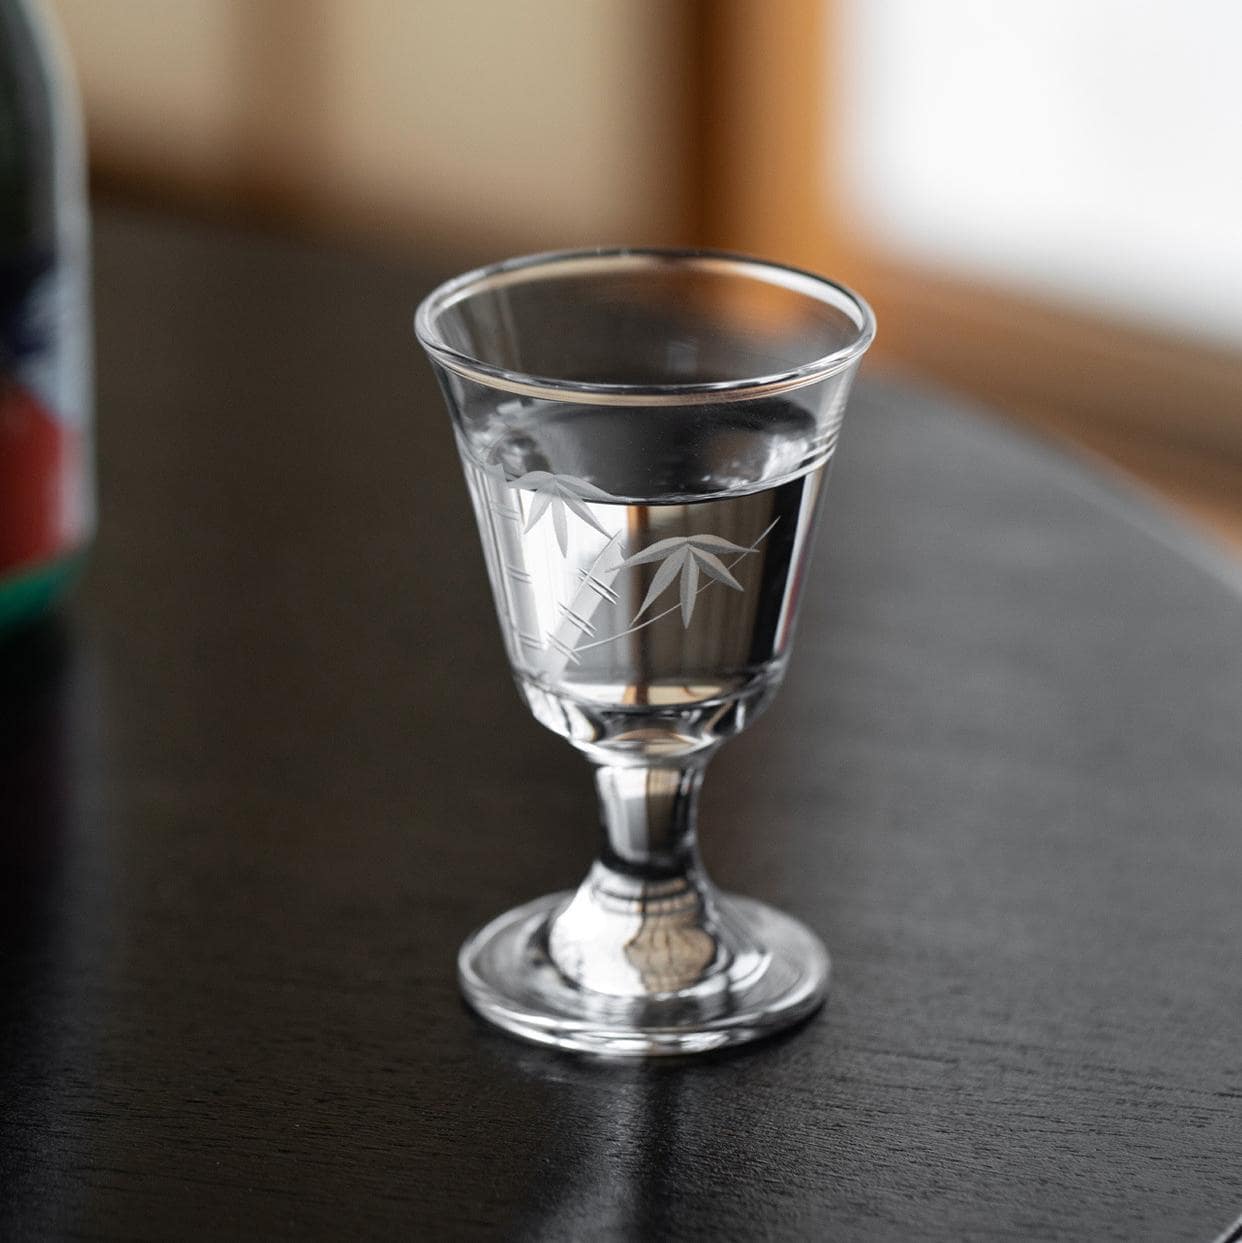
(770, 973)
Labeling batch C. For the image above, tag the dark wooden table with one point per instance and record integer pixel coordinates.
(269, 771)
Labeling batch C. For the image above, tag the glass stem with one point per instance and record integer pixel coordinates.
(644, 921)
(649, 815)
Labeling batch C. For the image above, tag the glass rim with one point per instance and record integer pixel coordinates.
(523, 268)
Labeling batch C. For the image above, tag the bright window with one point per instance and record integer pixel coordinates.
(1086, 149)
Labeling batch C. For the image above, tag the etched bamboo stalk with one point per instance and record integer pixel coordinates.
(575, 623)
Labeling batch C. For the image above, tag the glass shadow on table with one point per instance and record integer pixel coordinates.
(656, 1149)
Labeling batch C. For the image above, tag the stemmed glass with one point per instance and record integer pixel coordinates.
(646, 435)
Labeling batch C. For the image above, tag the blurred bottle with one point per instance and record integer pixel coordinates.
(46, 475)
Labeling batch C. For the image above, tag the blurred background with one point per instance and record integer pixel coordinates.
(1041, 199)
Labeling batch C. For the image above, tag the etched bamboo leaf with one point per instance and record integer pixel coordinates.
(715, 568)
(716, 543)
(580, 487)
(655, 552)
(689, 590)
(577, 507)
(617, 565)
(663, 576)
(558, 493)
(686, 555)
(537, 506)
(497, 505)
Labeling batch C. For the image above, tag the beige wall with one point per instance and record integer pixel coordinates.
(503, 122)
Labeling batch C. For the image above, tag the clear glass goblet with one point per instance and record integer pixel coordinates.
(646, 435)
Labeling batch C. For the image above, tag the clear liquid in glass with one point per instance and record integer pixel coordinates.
(646, 563)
